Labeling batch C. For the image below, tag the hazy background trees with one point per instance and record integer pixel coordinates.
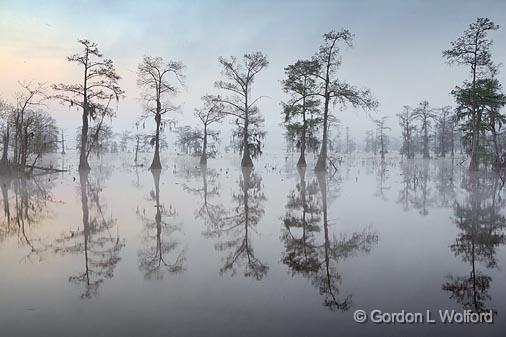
(381, 129)
(27, 130)
(408, 129)
(210, 113)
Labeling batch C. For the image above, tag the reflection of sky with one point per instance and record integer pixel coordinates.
(397, 49)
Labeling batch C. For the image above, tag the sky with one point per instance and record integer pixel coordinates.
(396, 53)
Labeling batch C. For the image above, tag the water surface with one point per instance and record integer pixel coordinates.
(275, 251)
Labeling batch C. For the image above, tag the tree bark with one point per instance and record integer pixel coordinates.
(474, 165)
(24, 146)
(5, 151)
(496, 145)
(83, 158)
(426, 153)
(246, 158)
(203, 156)
(302, 158)
(62, 143)
(136, 150)
(321, 164)
(156, 164)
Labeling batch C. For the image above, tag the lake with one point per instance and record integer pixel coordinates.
(274, 251)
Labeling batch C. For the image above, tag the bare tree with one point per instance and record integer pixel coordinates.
(380, 134)
(407, 123)
(189, 140)
(239, 103)
(99, 85)
(425, 114)
(334, 91)
(153, 77)
(370, 142)
(208, 115)
(6, 114)
(62, 142)
(444, 132)
(31, 95)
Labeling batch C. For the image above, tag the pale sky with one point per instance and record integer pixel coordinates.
(396, 53)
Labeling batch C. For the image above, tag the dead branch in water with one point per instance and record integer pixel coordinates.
(46, 168)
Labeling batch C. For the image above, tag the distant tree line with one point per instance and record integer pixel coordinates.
(475, 124)
(427, 130)
(314, 90)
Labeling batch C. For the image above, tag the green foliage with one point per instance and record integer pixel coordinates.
(302, 115)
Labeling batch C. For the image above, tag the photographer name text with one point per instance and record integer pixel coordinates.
(428, 317)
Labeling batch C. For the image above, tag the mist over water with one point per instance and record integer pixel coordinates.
(231, 252)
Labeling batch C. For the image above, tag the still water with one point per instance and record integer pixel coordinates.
(275, 251)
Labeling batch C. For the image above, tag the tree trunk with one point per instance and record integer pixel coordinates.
(62, 143)
(496, 146)
(426, 153)
(16, 139)
(246, 158)
(474, 165)
(382, 143)
(443, 143)
(321, 164)
(136, 150)
(203, 156)
(5, 151)
(156, 164)
(83, 160)
(302, 158)
(452, 143)
(24, 146)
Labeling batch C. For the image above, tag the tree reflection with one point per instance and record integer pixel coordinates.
(210, 212)
(301, 223)
(421, 191)
(408, 185)
(25, 207)
(445, 185)
(318, 261)
(95, 240)
(422, 199)
(238, 225)
(381, 179)
(161, 252)
(481, 232)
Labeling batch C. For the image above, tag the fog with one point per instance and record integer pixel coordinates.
(396, 53)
